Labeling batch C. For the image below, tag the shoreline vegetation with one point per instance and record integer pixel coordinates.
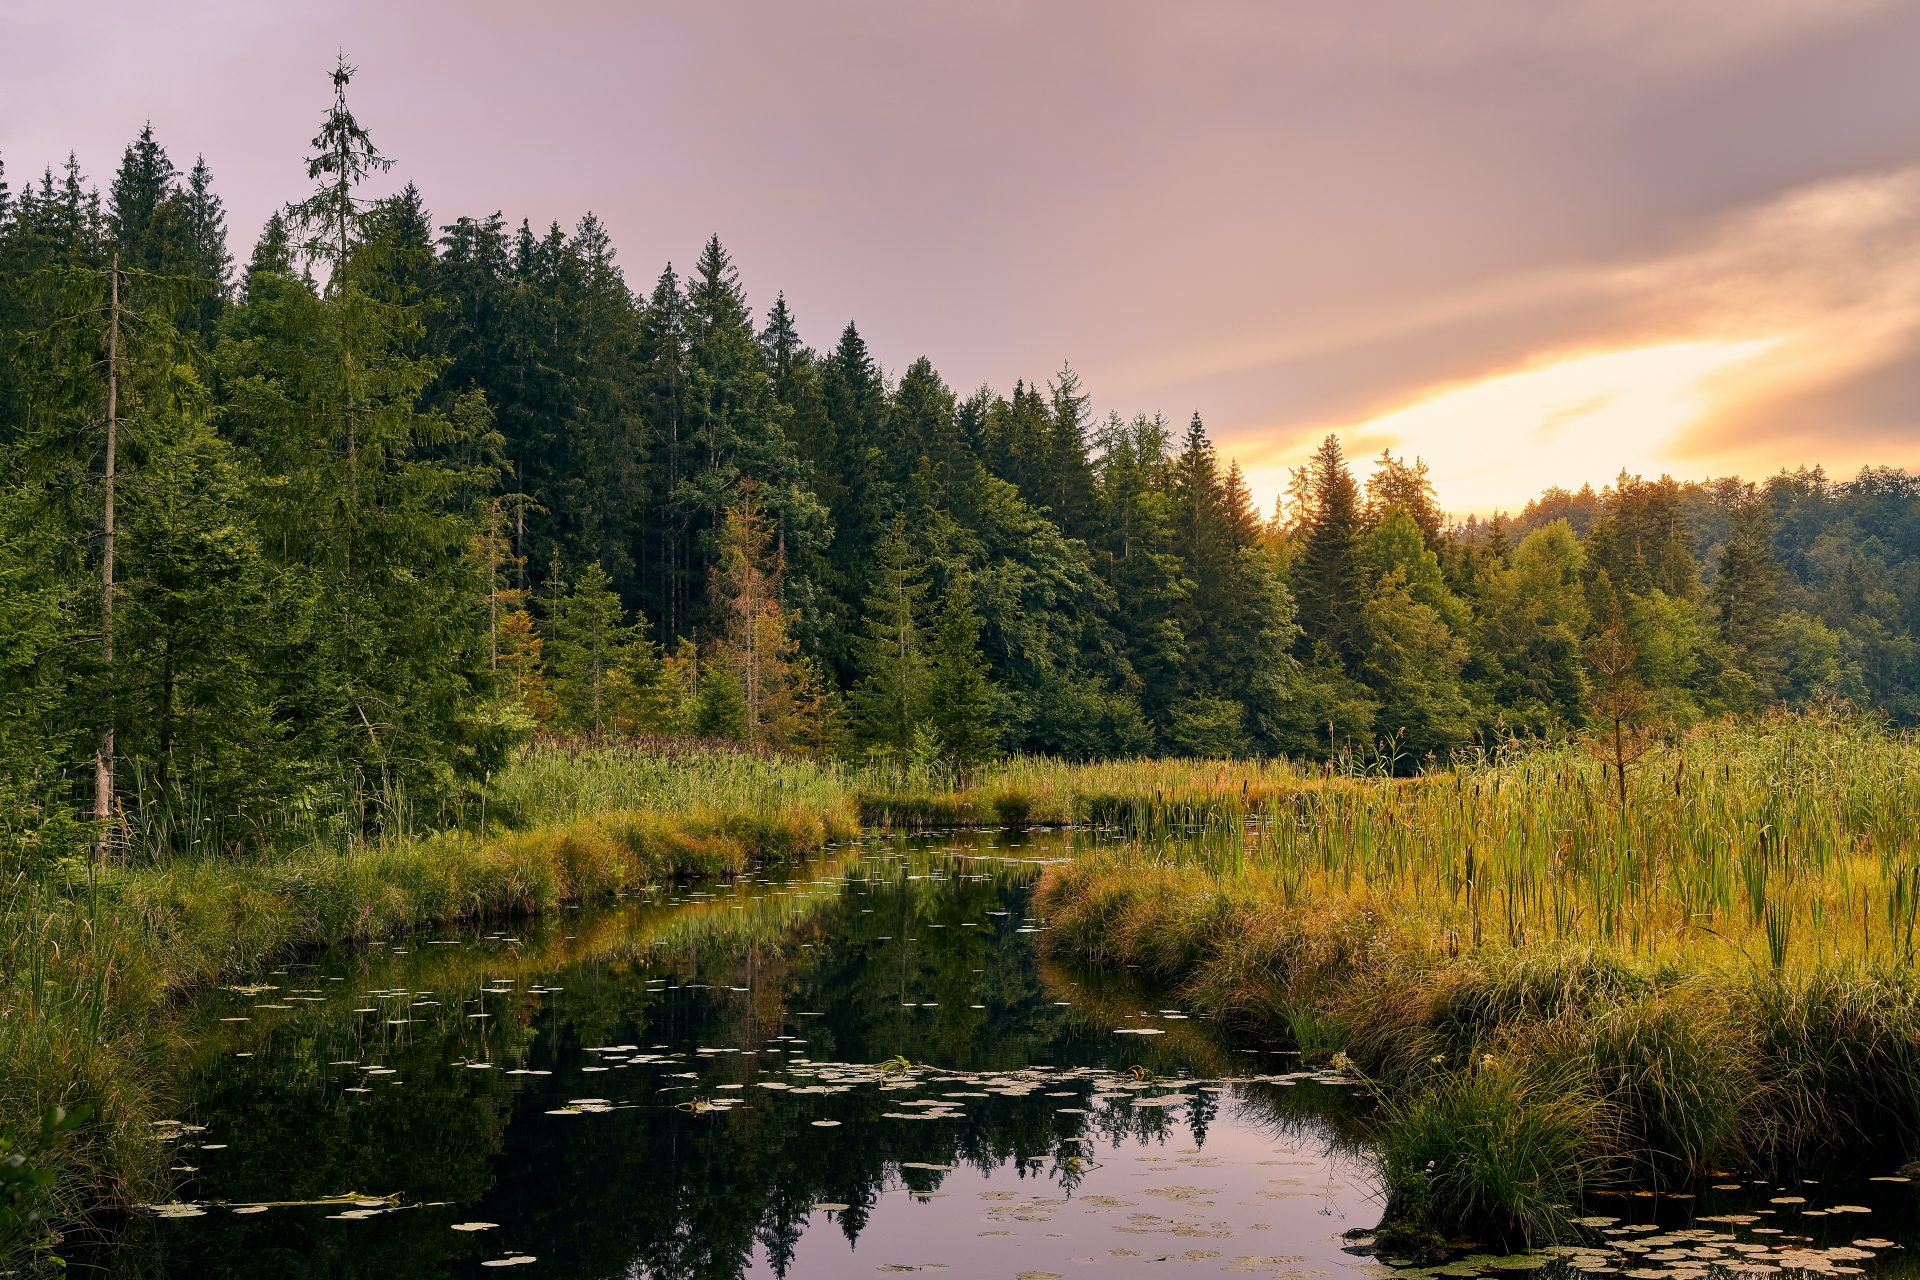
(1551, 995)
(95, 954)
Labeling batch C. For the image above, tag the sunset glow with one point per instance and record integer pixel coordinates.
(1532, 252)
(1592, 414)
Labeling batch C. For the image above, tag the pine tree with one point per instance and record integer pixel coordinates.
(1068, 486)
(1327, 581)
(735, 425)
(365, 503)
(782, 349)
(720, 704)
(1746, 587)
(328, 221)
(204, 234)
(1136, 543)
(586, 640)
(145, 216)
(962, 704)
(865, 463)
(1533, 627)
(1396, 486)
(663, 393)
(887, 694)
(927, 416)
(1413, 664)
(272, 254)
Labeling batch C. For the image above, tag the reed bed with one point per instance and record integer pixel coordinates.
(1549, 991)
(1147, 796)
(1552, 992)
(91, 957)
(559, 781)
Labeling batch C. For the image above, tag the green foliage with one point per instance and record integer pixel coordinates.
(1547, 995)
(342, 478)
(1327, 574)
(1491, 1154)
(1414, 662)
(888, 696)
(720, 704)
(589, 640)
(25, 1177)
(962, 704)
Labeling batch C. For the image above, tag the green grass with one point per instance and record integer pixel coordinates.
(1546, 993)
(1535, 980)
(91, 959)
(1147, 796)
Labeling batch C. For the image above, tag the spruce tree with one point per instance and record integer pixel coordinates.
(782, 349)
(736, 433)
(865, 463)
(1746, 588)
(586, 640)
(365, 503)
(1397, 486)
(272, 254)
(886, 699)
(962, 703)
(668, 531)
(144, 212)
(1067, 489)
(1327, 581)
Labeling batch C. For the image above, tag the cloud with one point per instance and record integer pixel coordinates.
(1780, 334)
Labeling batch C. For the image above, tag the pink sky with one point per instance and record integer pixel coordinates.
(1531, 242)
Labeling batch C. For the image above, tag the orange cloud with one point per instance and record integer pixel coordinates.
(1708, 359)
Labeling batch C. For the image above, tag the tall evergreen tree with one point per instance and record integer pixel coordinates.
(962, 702)
(735, 429)
(1746, 588)
(1397, 486)
(364, 504)
(1068, 474)
(586, 640)
(1327, 580)
(208, 258)
(145, 216)
(888, 695)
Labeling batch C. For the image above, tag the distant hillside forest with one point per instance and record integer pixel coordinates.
(335, 528)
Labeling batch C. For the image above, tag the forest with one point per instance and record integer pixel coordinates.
(317, 539)
(421, 577)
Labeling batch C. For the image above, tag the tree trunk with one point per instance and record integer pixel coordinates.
(103, 757)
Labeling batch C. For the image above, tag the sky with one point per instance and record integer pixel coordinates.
(1533, 242)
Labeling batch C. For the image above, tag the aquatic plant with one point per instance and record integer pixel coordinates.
(1720, 968)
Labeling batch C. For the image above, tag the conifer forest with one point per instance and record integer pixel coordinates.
(439, 651)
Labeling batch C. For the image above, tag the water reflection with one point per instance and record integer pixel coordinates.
(853, 1069)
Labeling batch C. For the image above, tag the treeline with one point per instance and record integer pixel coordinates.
(331, 530)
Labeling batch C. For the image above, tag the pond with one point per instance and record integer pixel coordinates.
(857, 1066)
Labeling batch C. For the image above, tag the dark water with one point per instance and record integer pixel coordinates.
(857, 1068)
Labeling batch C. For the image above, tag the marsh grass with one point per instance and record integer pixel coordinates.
(1722, 970)
(71, 1032)
(1492, 1152)
(1545, 988)
(1150, 798)
(92, 956)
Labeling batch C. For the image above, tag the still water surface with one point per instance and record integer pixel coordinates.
(856, 1067)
